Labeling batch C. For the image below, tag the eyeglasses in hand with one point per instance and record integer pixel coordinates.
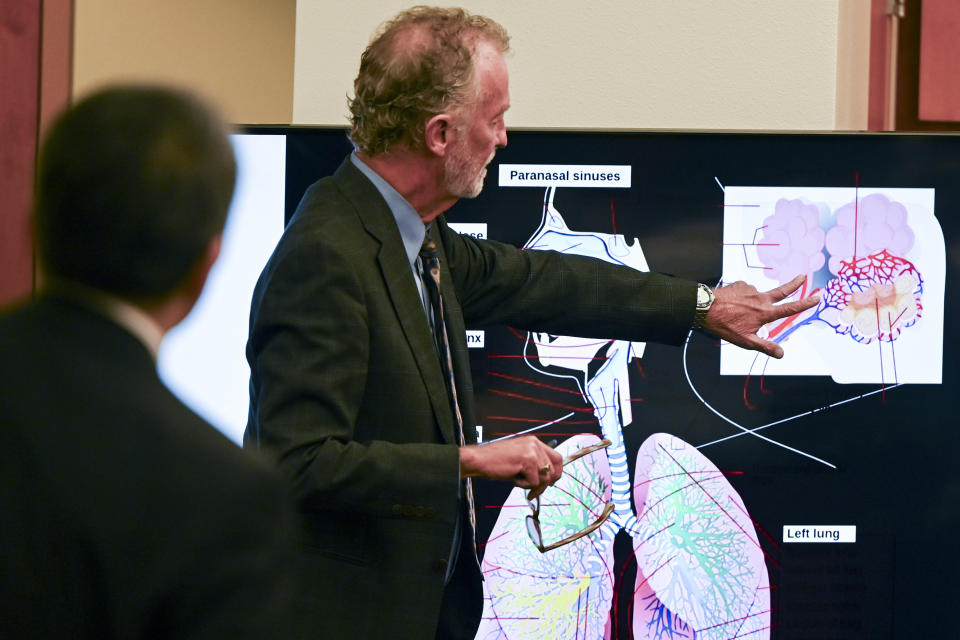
(533, 520)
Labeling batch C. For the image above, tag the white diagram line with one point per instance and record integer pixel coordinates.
(527, 361)
(801, 415)
(530, 430)
(745, 430)
(719, 185)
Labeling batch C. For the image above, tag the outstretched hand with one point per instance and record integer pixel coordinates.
(739, 311)
(525, 460)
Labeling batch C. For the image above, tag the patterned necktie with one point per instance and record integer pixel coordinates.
(431, 267)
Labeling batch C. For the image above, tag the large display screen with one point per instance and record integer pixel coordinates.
(812, 497)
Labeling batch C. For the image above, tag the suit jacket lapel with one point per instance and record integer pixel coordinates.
(395, 270)
(456, 330)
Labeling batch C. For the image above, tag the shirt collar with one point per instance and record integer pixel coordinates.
(136, 322)
(412, 229)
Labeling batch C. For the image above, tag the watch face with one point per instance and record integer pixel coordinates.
(703, 296)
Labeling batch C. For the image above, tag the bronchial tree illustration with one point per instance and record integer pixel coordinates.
(700, 569)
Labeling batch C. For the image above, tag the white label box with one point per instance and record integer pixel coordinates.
(475, 339)
(475, 229)
(822, 533)
(615, 176)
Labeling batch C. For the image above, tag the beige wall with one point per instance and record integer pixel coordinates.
(853, 65)
(239, 53)
(682, 64)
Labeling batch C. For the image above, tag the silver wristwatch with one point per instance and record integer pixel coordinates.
(705, 300)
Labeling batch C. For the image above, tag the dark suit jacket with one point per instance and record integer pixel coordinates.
(348, 394)
(124, 515)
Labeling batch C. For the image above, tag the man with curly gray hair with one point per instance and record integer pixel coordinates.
(419, 66)
(361, 390)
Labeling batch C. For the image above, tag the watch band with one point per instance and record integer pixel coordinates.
(705, 298)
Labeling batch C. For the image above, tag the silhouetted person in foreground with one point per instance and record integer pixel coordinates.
(124, 514)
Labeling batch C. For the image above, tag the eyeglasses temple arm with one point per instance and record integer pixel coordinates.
(579, 453)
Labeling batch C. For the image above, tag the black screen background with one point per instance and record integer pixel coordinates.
(895, 451)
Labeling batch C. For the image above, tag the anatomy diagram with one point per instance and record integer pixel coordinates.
(876, 258)
(701, 571)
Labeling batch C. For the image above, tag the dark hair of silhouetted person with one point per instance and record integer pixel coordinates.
(132, 185)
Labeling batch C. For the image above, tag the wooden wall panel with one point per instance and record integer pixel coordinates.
(910, 67)
(56, 60)
(20, 32)
(881, 65)
(939, 54)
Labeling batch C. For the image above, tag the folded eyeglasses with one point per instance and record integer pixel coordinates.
(533, 520)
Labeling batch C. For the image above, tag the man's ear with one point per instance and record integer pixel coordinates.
(197, 278)
(202, 269)
(439, 133)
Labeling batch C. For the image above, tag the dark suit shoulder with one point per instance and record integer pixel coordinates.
(86, 397)
(336, 232)
(332, 198)
(128, 510)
